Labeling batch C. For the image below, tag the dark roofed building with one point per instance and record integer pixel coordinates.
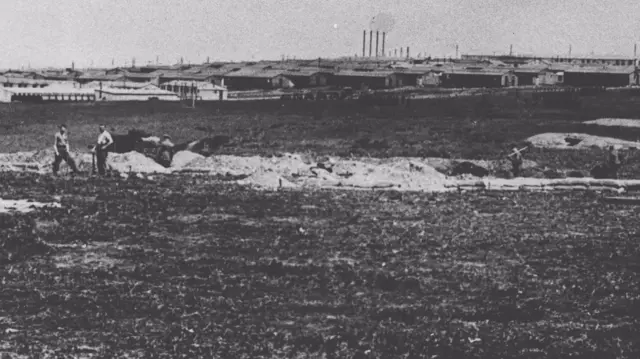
(99, 76)
(601, 76)
(308, 77)
(255, 78)
(536, 76)
(365, 79)
(478, 77)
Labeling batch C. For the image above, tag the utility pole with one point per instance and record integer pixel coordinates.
(193, 92)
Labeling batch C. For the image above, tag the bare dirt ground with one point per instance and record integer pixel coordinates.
(187, 266)
(193, 268)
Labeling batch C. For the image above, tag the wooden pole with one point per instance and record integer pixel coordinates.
(520, 150)
(193, 92)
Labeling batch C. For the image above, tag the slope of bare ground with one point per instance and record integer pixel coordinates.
(184, 267)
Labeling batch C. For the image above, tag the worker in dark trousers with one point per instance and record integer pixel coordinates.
(516, 161)
(165, 151)
(613, 162)
(61, 148)
(102, 149)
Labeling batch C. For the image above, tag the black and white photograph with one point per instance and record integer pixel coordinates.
(335, 179)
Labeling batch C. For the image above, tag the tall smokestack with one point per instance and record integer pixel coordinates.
(395, 52)
(364, 43)
(370, 42)
(377, 38)
(384, 36)
(401, 51)
(407, 51)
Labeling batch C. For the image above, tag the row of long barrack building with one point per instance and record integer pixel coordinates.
(221, 81)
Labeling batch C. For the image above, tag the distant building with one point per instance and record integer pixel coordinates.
(479, 77)
(619, 76)
(99, 76)
(519, 60)
(118, 94)
(254, 79)
(20, 82)
(308, 77)
(203, 91)
(418, 78)
(537, 76)
(49, 93)
(366, 79)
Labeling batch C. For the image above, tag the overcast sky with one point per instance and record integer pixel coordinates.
(55, 33)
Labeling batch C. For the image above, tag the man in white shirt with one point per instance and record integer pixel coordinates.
(102, 149)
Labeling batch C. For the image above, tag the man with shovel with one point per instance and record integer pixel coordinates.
(516, 160)
(61, 148)
(102, 149)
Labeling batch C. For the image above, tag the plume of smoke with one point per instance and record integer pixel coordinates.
(382, 22)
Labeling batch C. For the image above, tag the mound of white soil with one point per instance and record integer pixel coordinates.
(558, 141)
(183, 158)
(134, 162)
(619, 122)
(7, 205)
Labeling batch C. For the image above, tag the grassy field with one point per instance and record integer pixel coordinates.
(201, 269)
(189, 267)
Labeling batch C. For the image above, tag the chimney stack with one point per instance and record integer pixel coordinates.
(401, 52)
(384, 36)
(370, 42)
(364, 43)
(407, 51)
(377, 38)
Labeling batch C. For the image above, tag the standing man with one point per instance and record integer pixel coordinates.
(61, 148)
(104, 141)
(516, 161)
(165, 151)
(613, 162)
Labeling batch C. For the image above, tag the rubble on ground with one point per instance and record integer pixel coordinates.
(577, 141)
(23, 206)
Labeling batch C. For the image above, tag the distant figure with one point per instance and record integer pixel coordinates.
(165, 151)
(61, 148)
(102, 149)
(613, 162)
(516, 162)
